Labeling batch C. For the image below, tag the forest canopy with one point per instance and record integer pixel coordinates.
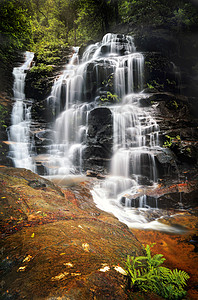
(30, 24)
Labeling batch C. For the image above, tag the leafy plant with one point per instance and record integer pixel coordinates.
(42, 69)
(110, 97)
(155, 85)
(3, 116)
(169, 141)
(150, 86)
(146, 273)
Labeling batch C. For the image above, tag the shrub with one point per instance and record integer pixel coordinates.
(145, 273)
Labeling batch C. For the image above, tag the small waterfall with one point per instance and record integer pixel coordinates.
(21, 144)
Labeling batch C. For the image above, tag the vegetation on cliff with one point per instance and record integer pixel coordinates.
(39, 25)
(33, 23)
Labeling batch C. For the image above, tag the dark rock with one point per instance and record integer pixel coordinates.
(179, 200)
(160, 73)
(38, 85)
(91, 173)
(36, 184)
(194, 242)
(99, 138)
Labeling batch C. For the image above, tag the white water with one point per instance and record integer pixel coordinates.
(70, 89)
(135, 132)
(21, 145)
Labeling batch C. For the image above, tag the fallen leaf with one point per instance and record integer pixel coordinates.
(120, 270)
(75, 274)
(27, 258)
(60, 276)
(32, 236)
(69, 265)
(62, 253)
(21, 269)
(85, 247)
(104, 268)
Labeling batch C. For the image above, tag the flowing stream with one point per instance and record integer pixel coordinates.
(109, 74)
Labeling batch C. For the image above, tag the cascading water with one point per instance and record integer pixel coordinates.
(82, 83)
(109, 79)
(81, 89)
(21, 145)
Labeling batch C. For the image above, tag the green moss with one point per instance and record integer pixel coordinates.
(42, 69)
(3, 117)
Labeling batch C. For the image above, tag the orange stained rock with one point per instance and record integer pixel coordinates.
(177, 250)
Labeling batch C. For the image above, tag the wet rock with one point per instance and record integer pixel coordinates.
(179, 200)
(62, 247)
(91, 173)
(160, 73)
(5, 121)
(99, 139)
(194, 242)
(167, 163)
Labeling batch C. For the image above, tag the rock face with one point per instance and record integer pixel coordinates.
(98, 152)
(5, 112)
(56, 243)
(179, 129)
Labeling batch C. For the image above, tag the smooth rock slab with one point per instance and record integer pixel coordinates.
(55, 243)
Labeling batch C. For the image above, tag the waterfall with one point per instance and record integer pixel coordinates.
(109, 78)
(21, 144)
(75, 92)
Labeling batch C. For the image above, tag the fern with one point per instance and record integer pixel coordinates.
(146, 273)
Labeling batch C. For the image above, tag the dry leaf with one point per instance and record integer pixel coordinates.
(104, 268)
(28, 258)
(69, 265)
(60, 276)
(120, 270)
(21, 269)
(85, 247)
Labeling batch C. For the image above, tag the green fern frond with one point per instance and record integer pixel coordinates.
(147, 274)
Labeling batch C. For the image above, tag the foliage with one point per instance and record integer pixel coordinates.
(169, 141)
(146, 273)
(42, 68)
(173, 104)
(109, 81)
(3, 116)
(15, 24)
(15, 29)
(33, 22)
(45, 26)
(155, 85)
(177, 14)
(110, 97)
